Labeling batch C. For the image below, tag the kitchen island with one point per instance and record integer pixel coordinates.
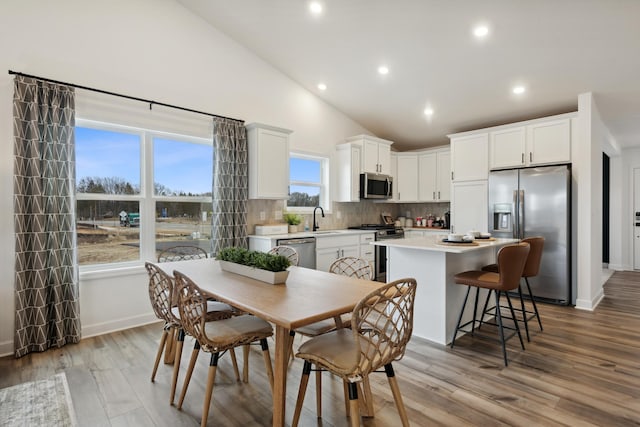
(433, 264)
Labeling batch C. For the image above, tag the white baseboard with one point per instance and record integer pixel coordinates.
(590, 305)
(117, 325)
(6, 348)
(619, 267)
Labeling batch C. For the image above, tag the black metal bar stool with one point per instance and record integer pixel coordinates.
(511, 261)
(531, 269)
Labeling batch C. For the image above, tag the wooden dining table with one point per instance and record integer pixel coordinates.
(307, 296)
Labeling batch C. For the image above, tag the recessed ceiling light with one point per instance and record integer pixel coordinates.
(518, 90)
(428, 112)
(383, 70)
(322, 86)
(315, 7)
(481, 31)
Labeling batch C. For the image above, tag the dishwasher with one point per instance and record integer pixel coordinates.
(306, 248)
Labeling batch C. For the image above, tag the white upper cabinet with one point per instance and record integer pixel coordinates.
(469, 157)
(443, 181)
(538, 143)
(507, 148)
(407, 179)
(394, 175)
(427, 177)
(549, 142)
(348, 159)
(434, 176)
(376, 154)
(268, 161)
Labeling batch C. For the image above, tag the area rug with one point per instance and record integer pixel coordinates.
(37, 403)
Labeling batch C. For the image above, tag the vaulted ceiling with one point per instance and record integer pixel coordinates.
(554, 49)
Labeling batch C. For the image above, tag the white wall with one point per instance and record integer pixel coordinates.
(594, 138)
(151, 49)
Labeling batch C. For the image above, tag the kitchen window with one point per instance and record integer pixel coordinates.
(139, 191)
(308, 182)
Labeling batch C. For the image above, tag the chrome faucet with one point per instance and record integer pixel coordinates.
(315, 223)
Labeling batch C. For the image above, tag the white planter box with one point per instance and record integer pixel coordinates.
(266, 276)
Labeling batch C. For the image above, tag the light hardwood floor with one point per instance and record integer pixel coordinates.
(583, 370)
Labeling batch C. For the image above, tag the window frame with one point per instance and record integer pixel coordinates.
(323, 185)
(146, 198)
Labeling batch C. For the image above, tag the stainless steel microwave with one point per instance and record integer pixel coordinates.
(375, 186)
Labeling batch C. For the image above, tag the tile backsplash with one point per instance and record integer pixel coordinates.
(342, 215)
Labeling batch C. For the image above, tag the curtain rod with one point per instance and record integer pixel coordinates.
(147, 101)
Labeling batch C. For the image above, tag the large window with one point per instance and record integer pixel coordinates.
(308, 182)
(139, 192)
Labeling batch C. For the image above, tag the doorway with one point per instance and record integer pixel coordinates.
(636, 218)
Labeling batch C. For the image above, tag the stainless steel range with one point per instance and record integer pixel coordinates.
(383, 232)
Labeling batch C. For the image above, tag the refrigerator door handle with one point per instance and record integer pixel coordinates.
(521, 215)
(514, 208)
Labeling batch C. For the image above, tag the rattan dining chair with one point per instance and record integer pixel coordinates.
(345, 266)
(286, 251)
(216, 337)
(163, 302)
(381, 326)
(182, 253)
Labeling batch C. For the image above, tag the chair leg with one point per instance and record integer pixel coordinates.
(475, 311)
(213, 366)
(234, 361)
(176, 365)
(245, 366)
(304, 380)
(161, 347)
(499, 318)
(455, 331)
(345, 389)
(515, 321)
(187, 377)
(367, 397)
(484, 309)
(533, 301)
(395, 390)
(354, 410)
(524, 312)
(267, 361)
(170, 347)
(318, 392)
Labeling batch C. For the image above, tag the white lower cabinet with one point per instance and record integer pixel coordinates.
(326, 257)
(469, 206)
(330, 248)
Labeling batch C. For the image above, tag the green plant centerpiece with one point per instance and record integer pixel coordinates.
(293, 220)
(255, 264)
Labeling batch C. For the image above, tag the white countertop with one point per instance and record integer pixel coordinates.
(318, 234)
(434, 243)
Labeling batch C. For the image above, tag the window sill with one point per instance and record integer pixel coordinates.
(106, 272)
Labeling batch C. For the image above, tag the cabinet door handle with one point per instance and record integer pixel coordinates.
(342, 252)
(530, 156)
(434, 195)
(522, 161)
(438, 195)
(338, 254)
(451, 175)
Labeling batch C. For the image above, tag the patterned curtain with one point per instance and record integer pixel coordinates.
(46, 270)
(229, 219)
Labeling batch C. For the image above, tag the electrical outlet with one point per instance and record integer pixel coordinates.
(277, 214)
(263, 215)
(338, 215)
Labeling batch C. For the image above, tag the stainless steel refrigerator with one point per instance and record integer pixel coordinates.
(537, 202)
